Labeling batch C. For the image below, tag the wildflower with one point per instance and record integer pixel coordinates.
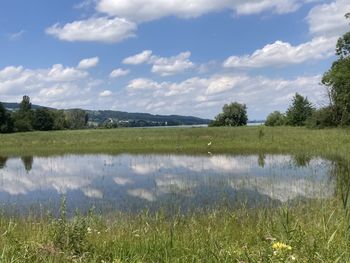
(89, 230)
(281, 246)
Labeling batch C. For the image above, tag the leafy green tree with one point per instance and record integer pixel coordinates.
(276, 118)
(59, 120)
(76, 119)
(337, 81)
(6, 123)
(25, 104)
(24, 117)
(322, 118)
(300, 110)
(43, 120)
(234, 114)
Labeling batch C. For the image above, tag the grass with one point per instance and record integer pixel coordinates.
(316, 231)
(183, 141)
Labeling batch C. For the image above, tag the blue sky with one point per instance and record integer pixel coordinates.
(185, 57)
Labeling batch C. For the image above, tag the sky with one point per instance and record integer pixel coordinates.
(187, 57)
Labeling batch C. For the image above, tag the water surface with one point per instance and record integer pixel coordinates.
(136, 182)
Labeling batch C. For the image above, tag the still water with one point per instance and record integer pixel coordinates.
(136, 182)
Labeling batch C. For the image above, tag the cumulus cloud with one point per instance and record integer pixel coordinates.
(146, 10)
(142, 84)
(57, 86)
(326, 24)
(163, 66)
(88, 63)
(173, 65)
(102, 29)
(282, 54)
(106, 93)
(328, 19)
(138, 59)
(119, 72)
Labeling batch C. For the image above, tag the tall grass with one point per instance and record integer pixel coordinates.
(313, 232)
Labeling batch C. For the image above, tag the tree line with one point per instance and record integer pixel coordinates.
(301, 112)
(42, 119)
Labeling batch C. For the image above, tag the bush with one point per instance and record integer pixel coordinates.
(6, 123)
(321, 118)
(276, 119)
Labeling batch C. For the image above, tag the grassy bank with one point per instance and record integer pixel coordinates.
(316, 232)
(189, 141)
(307, 231)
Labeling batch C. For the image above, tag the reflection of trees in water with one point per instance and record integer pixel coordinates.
(3, 161)
(27, 162)
(302, 160)
(261, 160)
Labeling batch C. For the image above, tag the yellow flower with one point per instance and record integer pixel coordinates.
(281, 246)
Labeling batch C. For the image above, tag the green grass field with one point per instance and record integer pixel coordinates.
(315, 231)
(183, 141)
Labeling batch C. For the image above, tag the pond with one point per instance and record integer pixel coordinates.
(133, 183)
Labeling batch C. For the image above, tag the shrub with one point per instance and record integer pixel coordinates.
(276, 118)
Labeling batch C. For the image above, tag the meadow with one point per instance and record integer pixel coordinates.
(325, 142)
(302, 231)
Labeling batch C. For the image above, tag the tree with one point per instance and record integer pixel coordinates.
(24, 117)
(6, 123)
(43, 120)
(322, 118)
(234, 114)
(59, 120)
(337, 81)
(25, 104)
(276, 118)
(300, 110)
(76, 119)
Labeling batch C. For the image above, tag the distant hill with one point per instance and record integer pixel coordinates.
(136, 119)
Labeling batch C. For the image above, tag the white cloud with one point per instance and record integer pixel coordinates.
(88, 63)
(163, 66)
(57, 86)
(172, 65)
(326, 24)
(282, 54)
(224, 83)
(119, 72)
(328, 19)
(146, 10)
(106, 93)
(138, 59)
(142, 84)
(100, 29)
(59, 73)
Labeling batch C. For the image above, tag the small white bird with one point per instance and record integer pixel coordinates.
(209, 144)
